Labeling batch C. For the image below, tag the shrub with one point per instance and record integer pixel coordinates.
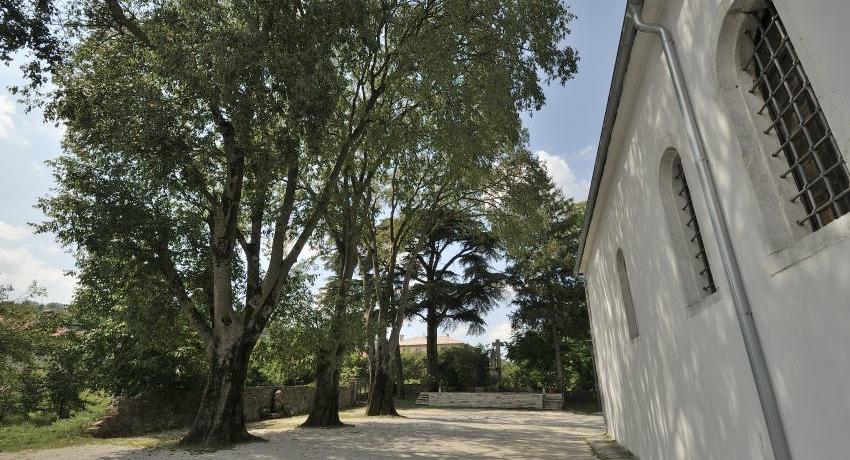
(463, 368)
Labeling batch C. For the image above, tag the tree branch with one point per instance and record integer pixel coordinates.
(120, 18)
(178, 288)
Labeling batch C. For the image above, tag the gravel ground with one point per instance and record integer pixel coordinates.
(421, 433)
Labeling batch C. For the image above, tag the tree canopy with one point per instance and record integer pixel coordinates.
(208, 142)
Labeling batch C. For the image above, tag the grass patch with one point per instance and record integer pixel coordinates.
(31, 434)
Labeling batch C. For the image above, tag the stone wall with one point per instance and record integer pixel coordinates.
(486, 400)
(156, 412)
(146, 413)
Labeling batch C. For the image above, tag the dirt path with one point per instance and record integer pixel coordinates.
(422, 433)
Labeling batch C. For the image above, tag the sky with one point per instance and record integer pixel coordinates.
(564, 135)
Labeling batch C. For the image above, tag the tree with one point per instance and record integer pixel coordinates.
(445, 298)
(192, 131)
(39, 363)
(550, 295)
(495, 67)
(414, 366)
(199, 134)
(25, 25)
(286, 355)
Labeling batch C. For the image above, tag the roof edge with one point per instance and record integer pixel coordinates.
(621, 65)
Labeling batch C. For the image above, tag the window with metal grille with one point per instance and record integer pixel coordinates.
(626, 292)
(692, 233)
(814, 160)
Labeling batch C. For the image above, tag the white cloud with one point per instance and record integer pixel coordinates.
(19, 268)
(500, 332)
(13, 232)
(7, 112)
(563, 176)
(587, 151)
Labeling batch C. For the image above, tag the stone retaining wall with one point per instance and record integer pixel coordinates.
(147, 413)
(486, 400)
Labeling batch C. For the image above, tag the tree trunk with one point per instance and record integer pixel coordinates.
(381, 402)
(325, 409)
(324, 412)
(219, 420)
(559, 368)
(380, 387)
(431, 351)
(399, 375)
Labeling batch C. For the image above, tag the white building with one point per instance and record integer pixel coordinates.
(420, 344)
(673, 368)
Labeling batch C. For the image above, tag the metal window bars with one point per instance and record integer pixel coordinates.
(814, 160)
(700, 259)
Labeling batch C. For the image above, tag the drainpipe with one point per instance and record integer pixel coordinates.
(752, 343)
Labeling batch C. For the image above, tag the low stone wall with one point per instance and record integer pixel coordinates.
(412, 390)
(486, 400)
(147, 413)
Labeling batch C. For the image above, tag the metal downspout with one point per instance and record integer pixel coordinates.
(752, 343)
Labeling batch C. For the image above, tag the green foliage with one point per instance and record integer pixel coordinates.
(463, 368)
(134, 337)
(355, 366)
(414, 367)
(40, 374)
(63, 381)
(286, 354)
(456, 283)
(519, 375)
(532, 366)
(25, 25)
(541, 231)
(49, 433)
(200, 134)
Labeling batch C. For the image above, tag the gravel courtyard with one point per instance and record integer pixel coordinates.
(421, 433)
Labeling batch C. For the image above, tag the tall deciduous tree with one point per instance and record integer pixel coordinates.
(497, 53)
(192, 129)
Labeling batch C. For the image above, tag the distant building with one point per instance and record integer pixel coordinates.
(418, 344)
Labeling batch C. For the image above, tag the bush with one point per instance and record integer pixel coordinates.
(414, 367)
(133, 336)
(63, 382)
(464, 368)
(531, 352)
(35, 433)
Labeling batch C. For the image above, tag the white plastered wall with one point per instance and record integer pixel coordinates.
(683, 388)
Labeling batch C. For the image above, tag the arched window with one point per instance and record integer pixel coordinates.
(805, 140)
(690, 226)
(626, 293)
(691, 260)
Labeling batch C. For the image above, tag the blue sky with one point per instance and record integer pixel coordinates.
(564, 134)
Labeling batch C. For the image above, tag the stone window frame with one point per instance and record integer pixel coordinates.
(787, 242)
(687, 270)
